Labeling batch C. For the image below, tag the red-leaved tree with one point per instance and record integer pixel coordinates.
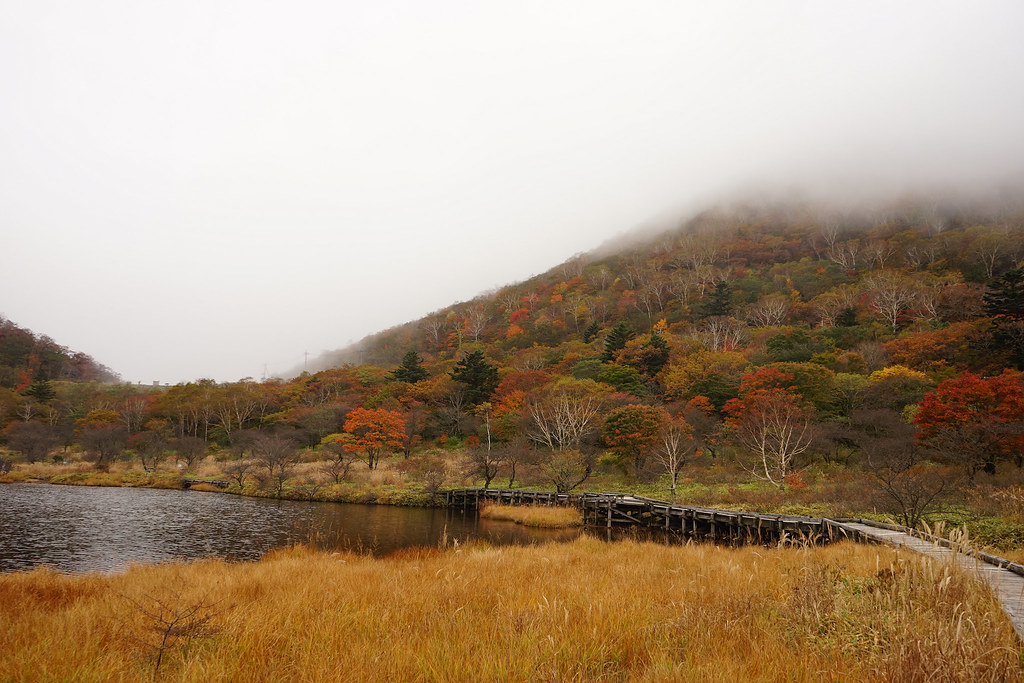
(974, 420)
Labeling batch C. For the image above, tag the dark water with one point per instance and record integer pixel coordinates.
(78, 528)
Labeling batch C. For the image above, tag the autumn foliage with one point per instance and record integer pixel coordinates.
(975, 420)
(373, 432)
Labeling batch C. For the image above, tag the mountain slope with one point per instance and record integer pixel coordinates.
(768, 266)
(25, 355)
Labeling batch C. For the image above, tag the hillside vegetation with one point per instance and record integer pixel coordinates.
(27, 357)
(777, 359)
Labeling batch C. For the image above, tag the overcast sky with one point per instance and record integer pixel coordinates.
(202, 188)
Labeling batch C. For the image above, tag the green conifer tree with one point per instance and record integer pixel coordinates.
(720, 300)
(41, 389)
(479, 376)
(1005, 303)
(1005, 295)
(616, 341)
(410, 370)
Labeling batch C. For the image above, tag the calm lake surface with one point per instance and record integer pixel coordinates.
(82, 528)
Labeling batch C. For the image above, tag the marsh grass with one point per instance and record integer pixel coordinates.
(584, 610)
(553, 517)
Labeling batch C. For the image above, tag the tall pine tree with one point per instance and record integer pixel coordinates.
(1005, 295)
(1005, 303)
(410, 370)
(616, 341)
(720, 301)
(479, 376)
(41, 389)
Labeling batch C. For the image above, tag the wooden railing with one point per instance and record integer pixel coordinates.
(609, 510)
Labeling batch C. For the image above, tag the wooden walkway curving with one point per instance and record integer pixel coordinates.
(1005, 578)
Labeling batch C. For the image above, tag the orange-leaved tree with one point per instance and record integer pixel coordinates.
(631, 433)
(373, 431)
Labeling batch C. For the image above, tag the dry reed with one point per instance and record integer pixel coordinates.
(550, 517)
(585, 610)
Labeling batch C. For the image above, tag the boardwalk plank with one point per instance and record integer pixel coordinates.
(1007, 586)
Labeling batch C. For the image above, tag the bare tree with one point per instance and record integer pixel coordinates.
(682, 284)
(566, 469)
(33, 440)
(508, 299)
(434, 327)
(601, 277)
(451, 413)
(513, 456)
(188, 449)
(338, 463)
(151, 449)
(675, 446)
(910, 486)
(483, 462)
(892, 294)
(308, 487)
(774, 429)
(720, 333)
(476, 321)
(843, 254)
(574, 266)
(879, 252)
(103, 445)
(133, 413)
(172, 622)
(276, 456)
(576, 306)
(769, 311)
(428, 468)
(560, 421)
(28, 408)
(238, 471)
(990, 246)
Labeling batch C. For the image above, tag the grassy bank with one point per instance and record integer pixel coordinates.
(579, 611)
(378, 489)
(554, 517)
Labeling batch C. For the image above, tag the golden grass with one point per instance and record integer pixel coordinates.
(554, 517)
(579, 611)
(207, 488)
(41, 471)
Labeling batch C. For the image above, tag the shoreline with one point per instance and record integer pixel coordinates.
(343, 493)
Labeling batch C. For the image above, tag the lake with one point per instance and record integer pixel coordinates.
(81, 529)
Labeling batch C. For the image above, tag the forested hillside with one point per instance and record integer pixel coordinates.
(776, 342)
(26, 356)
(725, 278)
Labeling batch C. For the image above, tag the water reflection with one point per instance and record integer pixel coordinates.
(76, 529)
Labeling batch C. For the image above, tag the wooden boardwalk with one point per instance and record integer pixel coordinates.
(621, 509)
(1005, 578)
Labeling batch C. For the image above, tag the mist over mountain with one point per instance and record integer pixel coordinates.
(955, 223)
